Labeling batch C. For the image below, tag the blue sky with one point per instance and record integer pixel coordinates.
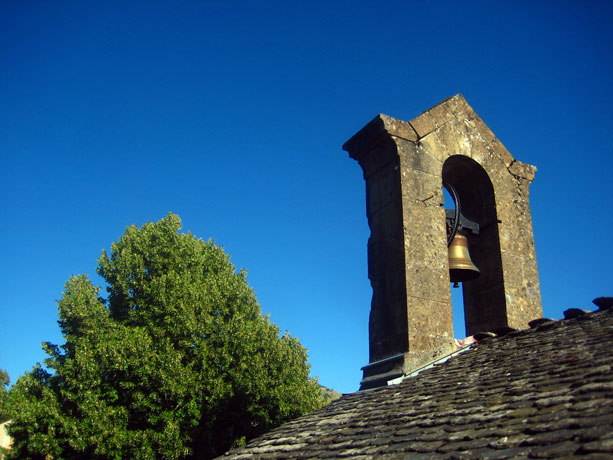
(232, 115)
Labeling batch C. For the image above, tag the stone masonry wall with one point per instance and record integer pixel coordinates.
(404, 164)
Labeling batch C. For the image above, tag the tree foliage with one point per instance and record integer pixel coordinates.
(176, 362)
(4, 382)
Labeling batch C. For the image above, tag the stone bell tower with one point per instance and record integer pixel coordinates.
(404, 166)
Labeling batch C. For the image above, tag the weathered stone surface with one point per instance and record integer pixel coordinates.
(381, 191)
(500, 153)
(424, 124)
(451, 139)
(423, 283)
(523, 170)
(404, 165)
(382, 125)
(425, 239)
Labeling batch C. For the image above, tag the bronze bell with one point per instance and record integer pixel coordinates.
(461, 267)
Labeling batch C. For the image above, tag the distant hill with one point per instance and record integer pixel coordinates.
(328, 394)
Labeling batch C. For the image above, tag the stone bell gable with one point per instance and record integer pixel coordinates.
(526, 387)
(404, 166)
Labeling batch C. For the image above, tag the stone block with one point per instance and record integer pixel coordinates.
(381, 189)
(441, 114)
(387, 330)
(414, 157)
(427, 248)
(385, 255)
(388, 318)
(529, 268)
(428, 283)
(419, 217)
(421, 188)
(423, 124)
(428, 318)
(512, 266)
(399, 128)
(386, 221)
(523, 305)
(523, 170)
(382, 154)
(450, 139)
(460, 108)
(453, 108)
(479, 129)
(514, 237)
(500, 152)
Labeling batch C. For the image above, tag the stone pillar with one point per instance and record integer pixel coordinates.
(404, 165)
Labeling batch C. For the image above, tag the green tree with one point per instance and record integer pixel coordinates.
(176, 362)
(4, 382)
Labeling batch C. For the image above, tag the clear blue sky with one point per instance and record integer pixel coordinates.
(232, 114)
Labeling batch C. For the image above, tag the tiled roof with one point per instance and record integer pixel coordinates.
(545, 392)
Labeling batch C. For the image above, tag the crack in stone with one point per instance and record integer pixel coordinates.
(510, 166)
(426, 199)
(429, 204)
(518, 179)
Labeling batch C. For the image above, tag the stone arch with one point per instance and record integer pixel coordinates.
(404, 164)
(484, 300)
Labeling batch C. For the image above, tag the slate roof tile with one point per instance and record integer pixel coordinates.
(545, 392)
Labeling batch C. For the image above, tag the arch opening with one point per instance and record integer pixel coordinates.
(457, 302)
(483, 298)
